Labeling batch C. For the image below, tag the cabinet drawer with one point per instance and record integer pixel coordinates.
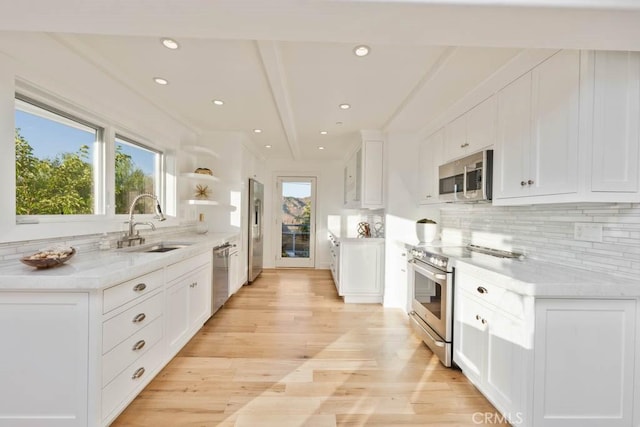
(127, 291)
(129, 350)
(184, 267)
(131, 321)
(131, 381)
(504, 299)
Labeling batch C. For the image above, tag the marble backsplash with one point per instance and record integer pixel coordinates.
(546, 232)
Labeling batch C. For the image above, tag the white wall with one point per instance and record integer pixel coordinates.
(50, 67)
(329, 200)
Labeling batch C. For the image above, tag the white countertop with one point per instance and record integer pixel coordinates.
(544, 279)
(344, 237)
(99, 269)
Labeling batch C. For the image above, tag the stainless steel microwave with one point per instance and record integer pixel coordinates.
(468, 179)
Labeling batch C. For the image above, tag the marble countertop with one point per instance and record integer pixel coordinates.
(100, 269)
(344, 236)
(544, 279)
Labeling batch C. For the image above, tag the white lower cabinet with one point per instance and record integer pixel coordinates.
(546, 362)
(188, 300)
(584, 363)
(77, 359)
(358, 269)
(45, 338)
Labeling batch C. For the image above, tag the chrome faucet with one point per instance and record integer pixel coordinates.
(133, 234)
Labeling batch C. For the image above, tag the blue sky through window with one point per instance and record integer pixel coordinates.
(49, 138)
(296, 189)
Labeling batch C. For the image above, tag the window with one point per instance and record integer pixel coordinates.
(138, 170)
(57, 158)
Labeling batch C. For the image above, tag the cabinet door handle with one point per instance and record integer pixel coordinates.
(139, 318)
(482, 290)
(137, 374)
(523, 183)
(193, 285)
(140, 287)
(465, 145)
(478, 317)
(484, 321)
(139, 345)
(530, 182)
(428, 196)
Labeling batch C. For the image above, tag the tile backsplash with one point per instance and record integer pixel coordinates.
(547, 232)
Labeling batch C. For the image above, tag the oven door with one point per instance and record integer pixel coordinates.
(431, 297)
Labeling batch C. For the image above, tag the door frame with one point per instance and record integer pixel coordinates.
(284, 262)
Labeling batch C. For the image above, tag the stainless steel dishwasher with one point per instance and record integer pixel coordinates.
(220, 277)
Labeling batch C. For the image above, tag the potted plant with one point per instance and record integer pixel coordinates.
(426, 230)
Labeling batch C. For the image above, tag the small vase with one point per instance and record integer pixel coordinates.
(201, 226)
(426, 232)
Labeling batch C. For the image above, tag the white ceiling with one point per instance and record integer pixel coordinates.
(283, 66)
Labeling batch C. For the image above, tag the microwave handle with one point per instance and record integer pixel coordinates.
(465, 186)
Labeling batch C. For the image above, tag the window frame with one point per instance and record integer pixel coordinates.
(51, 105)
(160, 165)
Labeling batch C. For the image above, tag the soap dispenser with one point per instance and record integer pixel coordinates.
(104, 243)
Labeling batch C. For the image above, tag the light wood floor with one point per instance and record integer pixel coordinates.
(286, 351)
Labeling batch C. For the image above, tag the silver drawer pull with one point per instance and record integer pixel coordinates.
(139, 318)
(484, 321)
(140, 287)
(193, 285)
(465, 145)
(139, 345)
(482, 290)
(137, 374)
(478, 317)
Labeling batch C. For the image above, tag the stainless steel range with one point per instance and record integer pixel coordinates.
(431, 285)
(431, 288)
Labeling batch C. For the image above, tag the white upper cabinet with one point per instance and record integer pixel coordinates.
(364, 173)
(538, 126)
(616, 116)
(472, 131)
(568, 131)
(430, 158)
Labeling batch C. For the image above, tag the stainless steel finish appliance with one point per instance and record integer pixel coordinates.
(220, 277)
(431, 312)
(256, 232)
(469, 179)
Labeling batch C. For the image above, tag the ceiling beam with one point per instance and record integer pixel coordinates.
(276, 76)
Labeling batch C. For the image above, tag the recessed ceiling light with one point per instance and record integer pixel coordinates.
(170, 43)
(361, 50)
(218, 102)
(257, 131)
(320, 147)
(267, 146)
(323, 132)
(344, 106)
(161, 81)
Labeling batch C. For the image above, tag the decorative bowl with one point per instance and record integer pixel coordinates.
(49, 257)
(203, 171)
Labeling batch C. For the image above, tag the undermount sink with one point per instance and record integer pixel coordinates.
(158, 247)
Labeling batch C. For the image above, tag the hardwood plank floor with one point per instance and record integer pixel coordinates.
(286, 351)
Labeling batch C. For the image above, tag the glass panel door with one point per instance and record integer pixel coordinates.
(296, 221)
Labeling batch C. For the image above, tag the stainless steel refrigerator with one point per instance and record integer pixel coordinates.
(256, 232)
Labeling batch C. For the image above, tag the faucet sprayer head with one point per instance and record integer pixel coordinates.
(159, 215)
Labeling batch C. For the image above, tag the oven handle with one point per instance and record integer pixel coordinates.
(438, 343)
(428, 273)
